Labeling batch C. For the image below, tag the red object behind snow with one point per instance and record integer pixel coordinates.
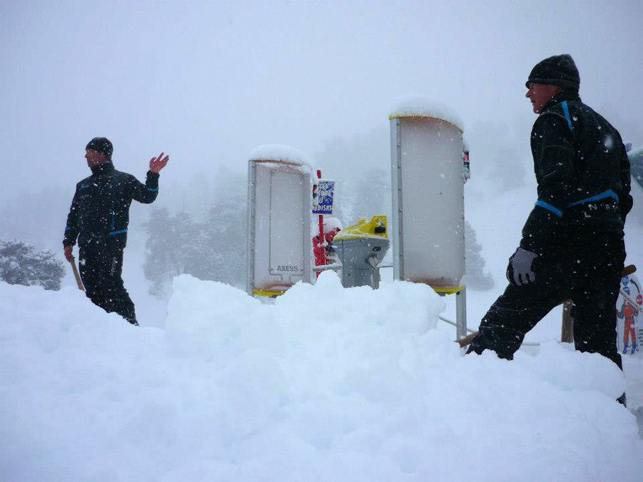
(319, 249)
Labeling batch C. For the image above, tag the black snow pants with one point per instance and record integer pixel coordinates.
(586, 271)
(101, 266)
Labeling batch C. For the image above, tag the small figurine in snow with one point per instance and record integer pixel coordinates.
(628, 313)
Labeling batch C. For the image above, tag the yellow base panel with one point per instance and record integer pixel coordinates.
(443, 290)
(448, 290)
(267, 293)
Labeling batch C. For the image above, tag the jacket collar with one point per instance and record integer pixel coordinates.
(102, 168)
(562, 97)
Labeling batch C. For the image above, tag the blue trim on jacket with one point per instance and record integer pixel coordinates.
(598, 197)
(567, 116)
(549, 207)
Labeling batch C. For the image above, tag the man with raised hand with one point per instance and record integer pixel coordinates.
(572, 243)
(98, 219)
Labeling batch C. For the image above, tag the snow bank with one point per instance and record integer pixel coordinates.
(420, 106)
(279, 152)
(362, 390)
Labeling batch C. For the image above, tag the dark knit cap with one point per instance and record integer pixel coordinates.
(557, 70)
(102, 145)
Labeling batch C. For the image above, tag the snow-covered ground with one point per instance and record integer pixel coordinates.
(233, 389)
(323, 384)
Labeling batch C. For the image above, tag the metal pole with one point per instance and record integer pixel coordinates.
(461, 313)
(375, 279)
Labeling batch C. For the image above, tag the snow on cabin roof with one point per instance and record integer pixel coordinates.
(420, 106)
(280, 152)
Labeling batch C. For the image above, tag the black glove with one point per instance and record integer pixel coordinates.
(519, 271)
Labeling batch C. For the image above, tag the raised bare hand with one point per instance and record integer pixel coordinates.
(158, 163)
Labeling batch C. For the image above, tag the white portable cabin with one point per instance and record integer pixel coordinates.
(279, 220)
(428, 198)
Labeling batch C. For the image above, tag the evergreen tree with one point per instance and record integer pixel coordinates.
(475, 275)
(21, 264)
(226, 229)
(170, 249)
(213, 250)
(356, 163)
(636, 165)
(372, 194)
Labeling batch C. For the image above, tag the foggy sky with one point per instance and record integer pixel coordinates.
(208, 81)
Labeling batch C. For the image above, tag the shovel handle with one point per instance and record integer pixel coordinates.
(629, 269)
(76, 274)
(467, 339)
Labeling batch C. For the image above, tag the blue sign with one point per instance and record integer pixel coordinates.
(323, 197)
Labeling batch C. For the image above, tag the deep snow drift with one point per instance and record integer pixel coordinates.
(363, 390)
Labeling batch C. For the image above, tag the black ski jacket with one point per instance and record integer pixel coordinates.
(583, 176)
(100, 208)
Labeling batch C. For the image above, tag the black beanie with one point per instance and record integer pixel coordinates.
(557, 70)
(102, 145)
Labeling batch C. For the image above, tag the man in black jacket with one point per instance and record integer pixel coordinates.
(572, 243)
(99, 217)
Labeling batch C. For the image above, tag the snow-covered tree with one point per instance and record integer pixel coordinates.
(225, 230)
(360, 167)
(36, 216)
(372, 195)
(169, 249)
(636, 165)
(22, 264)
(213, 250)
(475, 274)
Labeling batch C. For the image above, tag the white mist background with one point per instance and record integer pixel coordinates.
(208, 81)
